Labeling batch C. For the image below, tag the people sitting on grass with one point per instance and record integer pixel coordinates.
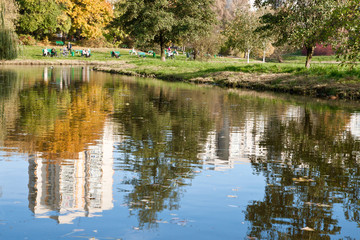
(64, 51)
(131, 52)
(86, 53)
(53, 53)
(45, 52)
(115, 54)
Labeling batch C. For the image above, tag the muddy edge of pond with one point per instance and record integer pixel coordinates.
(60, 62)
(280, 82)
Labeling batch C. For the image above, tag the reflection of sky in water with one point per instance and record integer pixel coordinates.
(239, 178)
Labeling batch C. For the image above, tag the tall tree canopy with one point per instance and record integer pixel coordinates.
(38, 17)
(11, 13)
(348, 41)
(8, 38)
(241, 32)
(301, 23)
(164, 21)
(88, 17)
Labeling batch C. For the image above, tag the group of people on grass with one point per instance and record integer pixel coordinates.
(65, 51)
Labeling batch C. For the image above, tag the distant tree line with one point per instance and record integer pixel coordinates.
(204, 27)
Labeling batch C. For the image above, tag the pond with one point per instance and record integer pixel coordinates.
(90, 155)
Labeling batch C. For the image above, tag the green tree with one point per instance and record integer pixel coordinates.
(165, 21)
(38, 17)
(11, 13)
(8, 39)
(301, 23)
(241, 32)
(348, 41)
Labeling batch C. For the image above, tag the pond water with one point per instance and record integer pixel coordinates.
(90, 155)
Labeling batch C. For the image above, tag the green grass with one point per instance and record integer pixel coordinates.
(180, 68)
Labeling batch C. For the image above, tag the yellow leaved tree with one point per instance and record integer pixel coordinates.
(88, 17)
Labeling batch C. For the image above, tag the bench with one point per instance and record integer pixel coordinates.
(151, 52)
(142, 54)
(59, 43)
(131, 52)
(48, 52)
(115, 54)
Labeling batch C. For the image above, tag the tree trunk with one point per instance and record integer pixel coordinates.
(162, 48)
(309, 54)
(264, 56)
(248, 56)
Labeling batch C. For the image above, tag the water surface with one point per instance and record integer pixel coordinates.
(91, 155)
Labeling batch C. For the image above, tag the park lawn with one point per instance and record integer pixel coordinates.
(323, 69)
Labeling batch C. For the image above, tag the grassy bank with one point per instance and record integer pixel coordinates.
(325, 78)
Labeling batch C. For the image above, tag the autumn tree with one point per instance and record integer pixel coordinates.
(165, 21)
(88, 17)
(300, 23)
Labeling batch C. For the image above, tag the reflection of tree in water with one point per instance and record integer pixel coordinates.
(311, 164)
(59, 122)
(165, 136)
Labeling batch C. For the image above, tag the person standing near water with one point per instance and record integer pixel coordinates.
(69, 46)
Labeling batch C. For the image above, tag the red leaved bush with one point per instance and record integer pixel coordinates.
(321, 50)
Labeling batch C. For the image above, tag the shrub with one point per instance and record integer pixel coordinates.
(321, 50)
(97, 42)
(27, 40)
(8, 44)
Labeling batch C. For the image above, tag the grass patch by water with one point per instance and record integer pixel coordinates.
(181, 68)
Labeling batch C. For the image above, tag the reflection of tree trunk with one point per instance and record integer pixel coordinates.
(309, 54)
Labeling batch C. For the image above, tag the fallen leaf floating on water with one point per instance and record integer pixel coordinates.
(318, 204)
(301, 179)
(308, 229)
(251, 238)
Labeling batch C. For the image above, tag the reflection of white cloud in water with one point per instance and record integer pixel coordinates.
(77, 188)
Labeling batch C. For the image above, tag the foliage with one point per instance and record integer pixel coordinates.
(241, 32)
(301, 23)
(27, 40)
(38, 18)
(96, 42)
(8, 39)
(348, 41)
(88, 17)
(205, 46)
(165, 21)
(11, 13)
(115, 32)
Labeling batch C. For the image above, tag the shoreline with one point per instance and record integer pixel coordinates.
(61, 62)
(301, 85)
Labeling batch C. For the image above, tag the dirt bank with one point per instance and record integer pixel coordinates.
(61, 62)
(283, 82)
